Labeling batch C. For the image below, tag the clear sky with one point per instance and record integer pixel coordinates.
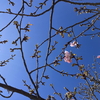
(64, 16)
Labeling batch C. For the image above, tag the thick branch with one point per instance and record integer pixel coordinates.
(13, 89)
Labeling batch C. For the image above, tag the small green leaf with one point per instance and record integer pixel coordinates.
(41, 7)
(40, 3)
(44, 4)
(39, 56)
(64, 31)
(55, 42)
(9, 10)
(47, 77)
(62, 34)
(36, 45)
(86, 73)
(79, 58)
(69, 35)
(74, 64)
(53, 48)
(51, 85)
(60, 28)
(38, 51)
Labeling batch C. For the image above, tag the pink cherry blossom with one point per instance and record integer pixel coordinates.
(98, 56)
(67, 57)
(73, 44)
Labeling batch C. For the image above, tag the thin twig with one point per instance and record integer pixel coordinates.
(12, 19)
(49, 40)
(81, 3)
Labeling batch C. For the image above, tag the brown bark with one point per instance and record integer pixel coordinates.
(13, 89)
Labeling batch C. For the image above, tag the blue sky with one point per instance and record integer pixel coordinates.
(64, 16)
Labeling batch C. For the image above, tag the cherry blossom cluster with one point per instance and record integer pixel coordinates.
(73, 44)
(98, 56)
(68, 56)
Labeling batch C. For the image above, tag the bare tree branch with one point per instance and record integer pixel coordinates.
(13, 89)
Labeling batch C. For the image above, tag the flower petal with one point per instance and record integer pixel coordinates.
(67, 57)
(98, 56)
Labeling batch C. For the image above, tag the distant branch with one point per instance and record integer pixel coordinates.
(81, 3)
(82, 21)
